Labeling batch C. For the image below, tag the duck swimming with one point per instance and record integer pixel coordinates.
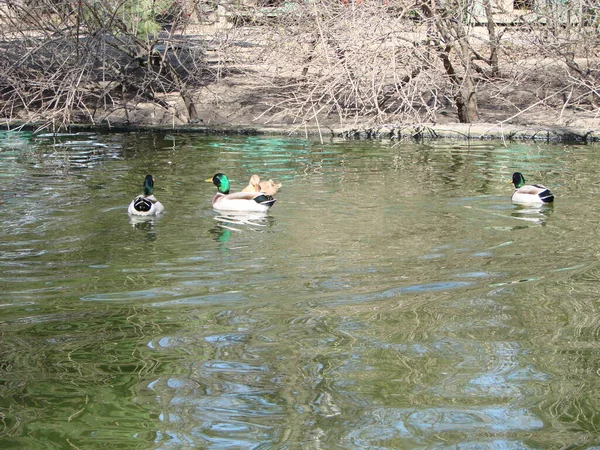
(238, 201)
(146, 204)
(529, 193)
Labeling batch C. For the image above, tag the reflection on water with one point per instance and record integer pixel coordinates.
(393, 297)
(230, 219)
(239, 222)
(536, 214)
(146, 223)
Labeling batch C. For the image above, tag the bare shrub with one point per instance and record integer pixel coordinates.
(567, 36)
(340, 61)
(352, 62)
(399, 61)
(61, 64)
(407, 62)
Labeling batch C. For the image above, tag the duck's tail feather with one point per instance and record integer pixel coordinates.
(265, 199)
(142, 204)
(546, 196)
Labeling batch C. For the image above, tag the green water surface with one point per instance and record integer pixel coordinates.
(393, 298)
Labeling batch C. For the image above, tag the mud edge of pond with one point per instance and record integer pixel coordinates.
(480, 131)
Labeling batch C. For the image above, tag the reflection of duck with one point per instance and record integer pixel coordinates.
(146, 204)
(533, 213)
(242, 218)
(222, 235)
(239, 222)
(529, 193)
(268, 187)
(145, 223)
(238, 201)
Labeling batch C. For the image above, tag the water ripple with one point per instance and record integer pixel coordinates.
(409, 425)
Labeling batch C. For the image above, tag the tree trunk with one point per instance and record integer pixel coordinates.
(466, 103)
(494, 40)
(452, 33)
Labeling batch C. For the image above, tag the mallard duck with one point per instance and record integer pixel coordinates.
(146, 204)
(238, 201)
(529, 193)
(266, 187)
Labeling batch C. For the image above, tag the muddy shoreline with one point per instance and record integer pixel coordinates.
(466, 132)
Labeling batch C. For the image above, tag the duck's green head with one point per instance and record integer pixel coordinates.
(221, 181)
(148, 185)
(518, 179)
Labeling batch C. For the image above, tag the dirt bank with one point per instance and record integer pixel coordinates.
(245, 100)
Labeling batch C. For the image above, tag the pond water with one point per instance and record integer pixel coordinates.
(392, 298)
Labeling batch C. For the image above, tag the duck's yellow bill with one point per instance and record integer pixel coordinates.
(208, 180)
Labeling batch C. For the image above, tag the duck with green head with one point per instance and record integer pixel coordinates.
(238, 201)
(146, 204)
(529, 193)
